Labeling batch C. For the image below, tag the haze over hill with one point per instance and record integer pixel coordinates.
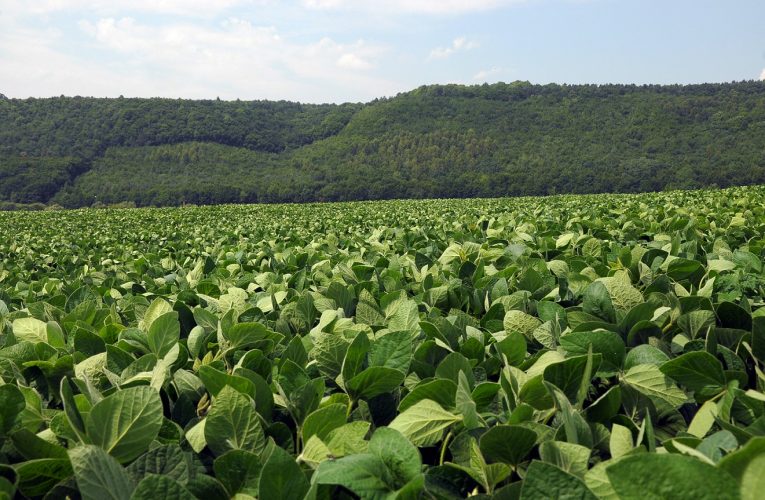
(435, 141)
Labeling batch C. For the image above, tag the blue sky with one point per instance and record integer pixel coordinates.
(356, 50)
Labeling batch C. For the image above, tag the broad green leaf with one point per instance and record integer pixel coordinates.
(545, 480)
(324, 420)
(233, 424)
(99, 475)
(164, 333)
(393, 350)
(703, 420)
(30, 330)
(608, 344)
(239, 471)
(621, 441)
(671, 476)
(31, 446)
(507, 443)
(442, 391)
(374, 381)
(363, 474)
(154, 486)
(465, 404)
(348, 439)
(568, 375)
(36, 477)
(597, 301)
(167, 460)
(519, 322)
(400, 457)
(698, 371)
(281, 477)
(747, 466)
(649, 380)
(125, 423)
(12, 402)
(424, 423)
(569, 457)
(157, 308)
(644, 355)
(216, 380)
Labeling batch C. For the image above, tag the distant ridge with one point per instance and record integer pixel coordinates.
(435, 141)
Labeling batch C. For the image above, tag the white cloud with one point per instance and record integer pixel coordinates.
(487, 74)
(192, 8)
(409, 6)
(352, 61)
(459, 44)
(762, 75)
(232, 59)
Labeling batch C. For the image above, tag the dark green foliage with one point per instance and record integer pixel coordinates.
(436, 141)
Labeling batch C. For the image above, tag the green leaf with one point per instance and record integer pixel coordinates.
(699, 371)
(239, 472)
(509, 444)
(73, 416)
(353, 363)
(215, 380)
(164, 333)
(401, 458)
(363, 474)
(569, 457)
(348, 439)
(374, 381)
(393, 350)
(329, 351)
(606, 406)
(747, 466)
(671, 476)
(405, 316)
(37, 477)
(99, 476)
(451, 366)
(545, 480)
(125, 423)
(31, 446)
(30, 330)
(233, 424)
(167, 460)
(157, 308)
(645, 355)
(424, 423)
(649, 380)
(441, 390)
(513, 348)
(696, 322)
(324, 420)
(465, 404)
(568, 375)
(12, 403)
(597, 301)
(608, 344)
(519, 322)
(703, 420)
(153, 487)
(281, 477)
(621, 441)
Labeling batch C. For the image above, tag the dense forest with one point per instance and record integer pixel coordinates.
(435, 141)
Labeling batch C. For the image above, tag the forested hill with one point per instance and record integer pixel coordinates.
(435, 141)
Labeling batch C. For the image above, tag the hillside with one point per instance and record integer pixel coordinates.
(436, 141)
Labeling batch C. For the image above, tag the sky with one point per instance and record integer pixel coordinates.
(358, 50)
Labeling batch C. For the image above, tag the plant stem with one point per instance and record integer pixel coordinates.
(443, 448)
